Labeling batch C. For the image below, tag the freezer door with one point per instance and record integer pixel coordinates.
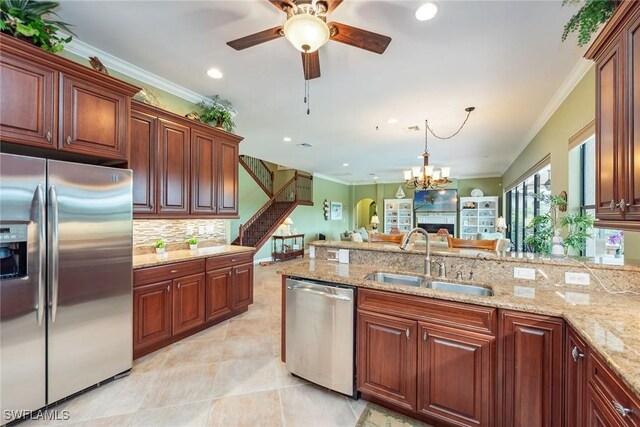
(22, 299)
(90, 276)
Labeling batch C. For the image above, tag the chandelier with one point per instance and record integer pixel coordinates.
(427, 177)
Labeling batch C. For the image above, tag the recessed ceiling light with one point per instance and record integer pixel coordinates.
(426, 11)
(345, 164)
(392, 121)
(286, 139)
(214, 73)
(375, 177)
(420, 157)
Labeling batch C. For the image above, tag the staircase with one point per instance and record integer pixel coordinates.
(259, 172)
(297, 191)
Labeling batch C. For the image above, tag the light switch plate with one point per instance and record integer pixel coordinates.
(524, 273)
(571, 278)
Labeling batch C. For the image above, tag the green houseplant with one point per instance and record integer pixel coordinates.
(588, 19)
(160, 246)
(193, 243)
(548, 226)
(27, 20)
(218, 112)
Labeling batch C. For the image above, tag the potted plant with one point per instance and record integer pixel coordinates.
(577, 234)
(193, 243)
(590, 16)
(26, 20)
(160, 246)
(218, 112)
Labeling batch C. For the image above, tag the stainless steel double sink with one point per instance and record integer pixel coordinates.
(422, 281)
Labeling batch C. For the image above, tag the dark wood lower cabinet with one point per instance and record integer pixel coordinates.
(188, 302)
(455, 375)
(242, 285)
(219, 289)
(598, 413)
(575, 379)
(151, 313)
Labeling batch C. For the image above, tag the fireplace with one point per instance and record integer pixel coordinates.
(432, 222)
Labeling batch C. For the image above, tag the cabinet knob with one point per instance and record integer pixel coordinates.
(425, 336)
(49, 136)
(621, 409)
(576, 354)
(168, 288)
(173, 271)
(408, 332)
(68, 140)
(178, 285)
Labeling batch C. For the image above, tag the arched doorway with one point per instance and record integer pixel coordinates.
(365, 209)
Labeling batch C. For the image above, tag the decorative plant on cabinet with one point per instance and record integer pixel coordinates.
(591, 15)
(218, 112)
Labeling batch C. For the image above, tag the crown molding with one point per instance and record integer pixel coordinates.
(330, 178)
(85, 50)
(572, 80)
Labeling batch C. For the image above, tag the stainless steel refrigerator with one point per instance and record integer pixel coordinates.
(65, 279)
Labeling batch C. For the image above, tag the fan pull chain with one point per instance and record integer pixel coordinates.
(307, 95)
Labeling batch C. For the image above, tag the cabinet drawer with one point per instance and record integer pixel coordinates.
(469, 317)
(167, 272)
(229, 260)
(611, 389)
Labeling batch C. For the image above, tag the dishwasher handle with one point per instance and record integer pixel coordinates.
(315, 292)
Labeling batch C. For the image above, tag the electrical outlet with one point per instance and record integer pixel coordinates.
(524, 273)
(209, 228)
(571, 278)
(524, 292)
(190, 230)
(201, 229)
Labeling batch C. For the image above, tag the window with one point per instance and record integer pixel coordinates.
(604, 242)
(521, 206)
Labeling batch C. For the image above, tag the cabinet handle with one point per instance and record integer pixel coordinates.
(407, 333)
(178, 285)
(49, 136)
(173, 271)
(168, 288)
(233, 260)
(68, 140)
(623, 205)
(425, 336)
(612, 204)
(621, 409)
(576, 354)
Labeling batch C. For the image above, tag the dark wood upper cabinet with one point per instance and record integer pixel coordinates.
(143, 159)
(387, 356)
(575, 379)
(204, 173)
(188, 302)
(27, 110)
(94, 119)
(228, 188)
(456, 375)
(173, 168)
(616, 52)
(530, 367)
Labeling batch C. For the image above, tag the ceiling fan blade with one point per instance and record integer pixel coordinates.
(332, 4)
(282, 4)
(313, 71)
(358, 37)
(257, 38)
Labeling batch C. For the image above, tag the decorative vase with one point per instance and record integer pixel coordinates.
(557, 248)
(193, 247)
(159, 250)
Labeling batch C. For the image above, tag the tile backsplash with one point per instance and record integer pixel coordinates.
(146, 232)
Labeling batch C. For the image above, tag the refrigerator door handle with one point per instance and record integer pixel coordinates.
(54, 244)
(42, 255)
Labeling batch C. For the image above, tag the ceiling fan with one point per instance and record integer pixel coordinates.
(307, 30)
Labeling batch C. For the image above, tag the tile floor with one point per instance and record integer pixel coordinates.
(228, 375)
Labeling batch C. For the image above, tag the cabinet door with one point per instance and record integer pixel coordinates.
(151, 313)
(598, 413)
(174, 159)
(575, 380)
(204, 173)
(633, 156)
(219, 293)
(455, 375)
(610, 147)
(188, 302)
(242, 285)
(94, 119)
(530, 370)
(228, 178)
(27, 111)
(387, 356)
(142, 160)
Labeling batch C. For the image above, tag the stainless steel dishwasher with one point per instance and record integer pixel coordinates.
(320, 330)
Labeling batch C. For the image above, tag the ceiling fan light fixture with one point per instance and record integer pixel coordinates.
(307, 33)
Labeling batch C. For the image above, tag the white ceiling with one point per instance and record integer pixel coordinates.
(503, 57)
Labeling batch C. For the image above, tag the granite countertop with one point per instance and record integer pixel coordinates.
(626, 264)
(608, 322)
(153, 259)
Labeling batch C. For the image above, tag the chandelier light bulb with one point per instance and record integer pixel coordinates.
(407, 175)
(446, 172)
(428, 171)
(436, 175)
(416, 171)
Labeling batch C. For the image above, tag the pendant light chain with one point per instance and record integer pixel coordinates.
(469, 110)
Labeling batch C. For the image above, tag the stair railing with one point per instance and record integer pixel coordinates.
(259, 172)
